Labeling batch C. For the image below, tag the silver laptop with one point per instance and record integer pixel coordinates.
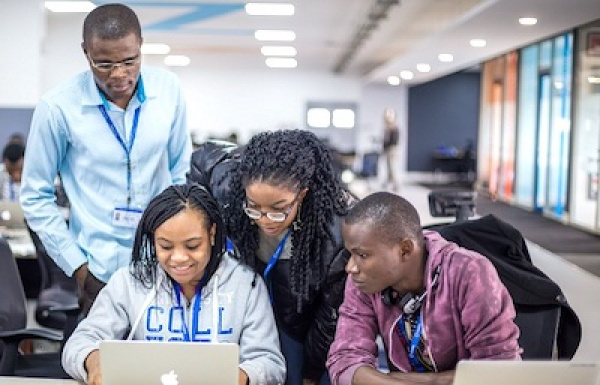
(493, 372)
(11, 216)
(168, 363)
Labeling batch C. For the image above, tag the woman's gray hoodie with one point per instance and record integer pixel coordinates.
(242, 314)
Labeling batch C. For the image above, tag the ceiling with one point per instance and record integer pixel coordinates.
(339, 37)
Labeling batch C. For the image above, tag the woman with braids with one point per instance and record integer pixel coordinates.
(282, 204)
(179, 266)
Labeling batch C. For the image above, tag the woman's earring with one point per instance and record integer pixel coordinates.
(297, 223)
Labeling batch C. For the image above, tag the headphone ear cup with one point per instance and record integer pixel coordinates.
(389, 297)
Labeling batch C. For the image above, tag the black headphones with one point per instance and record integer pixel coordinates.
(410, 303)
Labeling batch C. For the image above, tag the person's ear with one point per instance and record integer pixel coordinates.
(302, 194)
(83, 49)
(213, 233)
(407, 247)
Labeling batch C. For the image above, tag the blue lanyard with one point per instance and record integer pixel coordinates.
(414, 341)
(11, 189)
(195, 314)
(273, 261)
(127, 148)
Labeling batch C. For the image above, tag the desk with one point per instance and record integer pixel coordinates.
(20, 242)
(36, 381)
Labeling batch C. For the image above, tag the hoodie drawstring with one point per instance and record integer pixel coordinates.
(215, 308)
(151, 295)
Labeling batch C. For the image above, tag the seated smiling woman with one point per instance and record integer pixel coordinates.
(180, 263)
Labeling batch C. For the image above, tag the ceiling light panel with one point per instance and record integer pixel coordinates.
(423, 67)
(528, 21)
(393, 80)
(446, 57)
(478, 43)
(281, 62)
(269, 9)
(407, 75)
(69, 6)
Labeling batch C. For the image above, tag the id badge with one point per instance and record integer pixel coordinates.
(126, 217)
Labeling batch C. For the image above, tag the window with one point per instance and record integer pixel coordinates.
(318, 117)
(331, 115)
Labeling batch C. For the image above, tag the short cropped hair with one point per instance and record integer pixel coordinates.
(13, 152)
(111, 22)
(391, 217)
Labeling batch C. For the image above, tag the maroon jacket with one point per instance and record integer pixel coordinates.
(469, 314)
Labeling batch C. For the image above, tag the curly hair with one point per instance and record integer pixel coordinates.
(163, 207)
(292, 159)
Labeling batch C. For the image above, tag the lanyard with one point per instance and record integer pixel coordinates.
(414, 341)
(273, 261)
(195, 313)
(11, 189)
(125, 147)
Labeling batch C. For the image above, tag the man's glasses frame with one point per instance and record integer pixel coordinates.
(107, 67)
(275, 216)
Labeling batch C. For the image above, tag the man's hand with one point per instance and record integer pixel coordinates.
(441, 378)
(92, 366)
(306, 381)
(81, 274)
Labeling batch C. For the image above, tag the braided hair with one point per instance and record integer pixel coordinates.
(163, 207)
(295, 160)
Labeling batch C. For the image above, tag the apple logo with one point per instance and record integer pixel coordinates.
(169, 378)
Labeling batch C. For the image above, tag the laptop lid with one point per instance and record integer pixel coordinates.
(11, 215)
(168, 363)
(494, 372)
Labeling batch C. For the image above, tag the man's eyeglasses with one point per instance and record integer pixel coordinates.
(109, 66)
(276, 216)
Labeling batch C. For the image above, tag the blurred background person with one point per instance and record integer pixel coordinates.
(391, 139)
(12, 168)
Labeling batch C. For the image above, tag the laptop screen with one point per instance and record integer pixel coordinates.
(497, 372)
(168, 363)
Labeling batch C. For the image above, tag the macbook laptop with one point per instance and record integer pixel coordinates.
(492, 372)
(11, 215)
(168, 363)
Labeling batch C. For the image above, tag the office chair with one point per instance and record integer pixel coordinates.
(457, 203)
(13, 322)
(58, 302)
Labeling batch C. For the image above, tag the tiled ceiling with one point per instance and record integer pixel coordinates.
(413, 31)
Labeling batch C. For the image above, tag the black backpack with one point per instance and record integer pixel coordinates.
(549, 326)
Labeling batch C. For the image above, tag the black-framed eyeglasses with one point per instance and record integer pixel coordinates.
(110, 66)
(275, 216)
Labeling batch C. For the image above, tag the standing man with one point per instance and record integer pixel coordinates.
(117, 135)
(433, 302)
(391, 138)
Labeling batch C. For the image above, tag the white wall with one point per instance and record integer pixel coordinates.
(222, 96)
(22, 26)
